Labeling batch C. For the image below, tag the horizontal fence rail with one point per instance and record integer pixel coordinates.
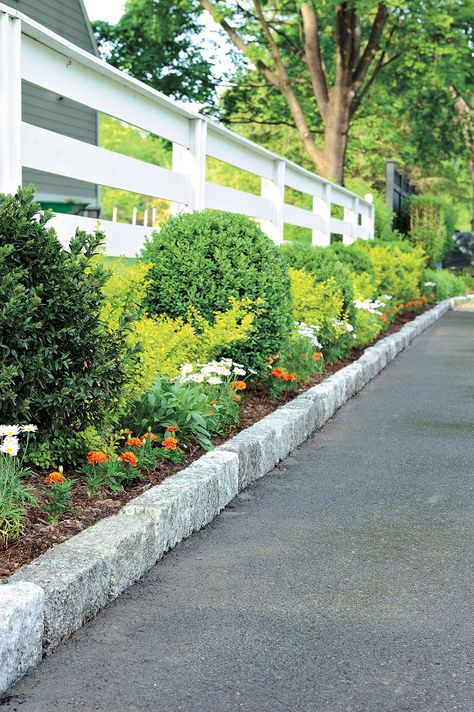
(29, 52)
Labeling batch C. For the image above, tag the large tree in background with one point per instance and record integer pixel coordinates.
(320, 59)
(157, 41)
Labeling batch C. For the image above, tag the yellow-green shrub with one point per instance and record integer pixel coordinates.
(398, 271)
(367, 327)
(321, 303)
(365, 286)
(166, 343)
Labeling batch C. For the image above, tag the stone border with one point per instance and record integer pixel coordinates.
(47, 600)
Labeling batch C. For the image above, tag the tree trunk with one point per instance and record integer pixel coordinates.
(336, 134)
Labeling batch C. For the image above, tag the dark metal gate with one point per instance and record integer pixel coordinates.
(397, 190)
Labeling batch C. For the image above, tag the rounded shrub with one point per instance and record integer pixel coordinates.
(322, 263)
(354, 256)
(202, 260)
(61, 368)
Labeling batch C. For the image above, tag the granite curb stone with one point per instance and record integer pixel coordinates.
(53, 596)
(21, 630)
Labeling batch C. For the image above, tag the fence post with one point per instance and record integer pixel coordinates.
(273, 189)
(10, 103)
(191, 162)
(368, 221)
(322, 208)
(351, 216)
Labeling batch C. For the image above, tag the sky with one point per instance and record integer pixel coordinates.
(109, 10)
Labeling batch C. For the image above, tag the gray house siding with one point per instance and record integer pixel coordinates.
(50, 111)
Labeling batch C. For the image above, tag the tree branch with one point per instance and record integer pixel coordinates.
(312, 55)
(240, 43)
(365, 89)
(372, 46)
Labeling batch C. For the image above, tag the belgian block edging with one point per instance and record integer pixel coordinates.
(49, 599)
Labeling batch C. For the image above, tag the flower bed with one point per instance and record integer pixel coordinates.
(128, 377)
(39, 534)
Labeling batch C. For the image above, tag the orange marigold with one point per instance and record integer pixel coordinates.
(95, 456)
(289, 377)
(135, 442)
(424, 298)
(238, 385)
(317, 356)
(129, 457)
(150, 435)
(236, 398)
(383, 317)
(213, 403)
(55, 478)
(171, 429)
(170, 443)
(278, 373)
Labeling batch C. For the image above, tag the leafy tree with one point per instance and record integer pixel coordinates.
(319, 61)
(157, 41)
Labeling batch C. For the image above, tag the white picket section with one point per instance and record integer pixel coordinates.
(30, 52)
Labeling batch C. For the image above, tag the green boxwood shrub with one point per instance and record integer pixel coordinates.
(323, 263)
(201, 260)
(354, 256)
(428, 226)
(61, 368)
(443, 284)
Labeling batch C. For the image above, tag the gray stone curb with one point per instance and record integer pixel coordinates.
(49, 599)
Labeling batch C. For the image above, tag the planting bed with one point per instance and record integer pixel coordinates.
(39, 536)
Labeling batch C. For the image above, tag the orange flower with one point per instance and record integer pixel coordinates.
(129, 457)
(150, 435)
(135, 442)
(55, 478)
(278, 373)
(424, 298)
(236, 398)
(170, 443)
(317, 356)
(127, 432)
(383, 317)
(289, 377)
(171, 429)
(238, 385)
(213, 403)
(94, 456)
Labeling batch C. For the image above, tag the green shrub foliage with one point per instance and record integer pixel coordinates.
(443, 284)
(60, 367)
(354, 256)
(323, 263)
(428, 226)
(201, 260)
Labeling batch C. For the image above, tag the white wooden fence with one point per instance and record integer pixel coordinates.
(33, 53)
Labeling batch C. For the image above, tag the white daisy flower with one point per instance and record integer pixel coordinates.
(29, 428)
(214, 381)
(9, 430)
(10, 446)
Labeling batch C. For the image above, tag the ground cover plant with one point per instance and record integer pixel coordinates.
(159, 360)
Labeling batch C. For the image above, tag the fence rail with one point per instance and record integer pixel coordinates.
(32, 53)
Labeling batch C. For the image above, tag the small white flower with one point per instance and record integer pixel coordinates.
(10, 445)
(197, 378)
(349, 328)
(430, 284)
(252, 371)
(9, 430)
(29, 428)
(214, 381)
(239, 371)
(186, 368)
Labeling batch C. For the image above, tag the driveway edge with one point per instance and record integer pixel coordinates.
(47, 600)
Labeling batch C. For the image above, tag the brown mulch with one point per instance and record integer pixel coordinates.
(39, 536)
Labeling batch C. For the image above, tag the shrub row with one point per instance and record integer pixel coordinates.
(85, 352)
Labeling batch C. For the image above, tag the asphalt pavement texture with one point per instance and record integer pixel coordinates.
(342, 581)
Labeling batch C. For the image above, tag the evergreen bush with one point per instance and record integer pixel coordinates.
(201, 260)
(60, 367)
